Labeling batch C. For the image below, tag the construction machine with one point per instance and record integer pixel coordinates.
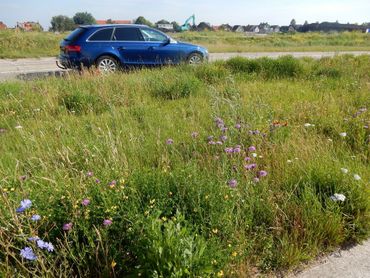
(187, 26)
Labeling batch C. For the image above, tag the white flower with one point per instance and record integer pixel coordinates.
(338, 197)
(356, 177)
(289, 161)
(308, 125)
(254, 155)
(344, 170)
(19, 127)
(330, 140)
(343, 134)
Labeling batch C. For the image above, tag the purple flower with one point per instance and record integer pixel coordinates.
(247, 158)
(25, 204)
(89, 174)
(45, 245)
(256, 180)
(27, 253)
(33, 238)
(23, 178)
(238, 126)
(233, 183)
(85, 202)
(169, 141)
(223, 138)
(229, 150)
(250, 166)
(224, 129)
(67, 226)
(210, 138)
(252, 149)
(237, 150)
(194, 134)
(262, 173)
(107, 222)
(112, 184)
(97, 181)
(211, 143)
(221, 125)
(35, 217)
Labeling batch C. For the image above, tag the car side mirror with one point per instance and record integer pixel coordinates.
(166, 42)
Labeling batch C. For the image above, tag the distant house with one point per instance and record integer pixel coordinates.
(264, 28)
(239, 29)
(286, 29)
(113, 21)
(166, 27)
(252, 29)
(204, 26)
(28, 26)
(2, 26)
(275, 28)
(225, 27)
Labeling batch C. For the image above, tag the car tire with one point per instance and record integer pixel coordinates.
(107, 64)
(195, 59)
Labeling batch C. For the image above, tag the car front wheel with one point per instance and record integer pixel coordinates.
(195, 59)
(107, 64)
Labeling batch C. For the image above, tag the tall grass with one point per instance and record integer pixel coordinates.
(15, 44)
(186, 206)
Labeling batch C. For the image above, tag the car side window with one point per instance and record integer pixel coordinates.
(102, 35)
(151, 35)
(127, 34)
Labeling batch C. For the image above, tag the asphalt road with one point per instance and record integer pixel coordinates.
(38, 67)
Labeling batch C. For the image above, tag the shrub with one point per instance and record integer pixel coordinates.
(80, 102)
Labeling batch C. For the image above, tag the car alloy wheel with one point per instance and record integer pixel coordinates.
(107, 65)
(195, 59)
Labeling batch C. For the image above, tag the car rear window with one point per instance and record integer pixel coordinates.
(127, 34)
(75, 34)
(102, 35)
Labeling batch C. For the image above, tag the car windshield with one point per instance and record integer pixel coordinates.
(75, 34)
(153, 35)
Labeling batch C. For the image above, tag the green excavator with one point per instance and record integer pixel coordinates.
(187, 26)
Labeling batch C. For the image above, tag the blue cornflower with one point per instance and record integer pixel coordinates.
(33, 238)
(28, 254)
(25, 204)
(35, 217)
(45, 245)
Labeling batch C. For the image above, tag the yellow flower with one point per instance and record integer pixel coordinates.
(215, 231)
(152, 201)
(146, 213)
(234, 254)
(164, 219)
(113, 264)
(220, 274)
(226, 197)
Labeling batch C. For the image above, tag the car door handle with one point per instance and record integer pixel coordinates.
(121, 48)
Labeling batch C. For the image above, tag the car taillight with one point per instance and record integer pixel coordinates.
(73, 48)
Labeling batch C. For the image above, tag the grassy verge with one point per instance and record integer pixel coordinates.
(216, 170)
(34, 44)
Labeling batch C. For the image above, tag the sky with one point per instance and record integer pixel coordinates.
(216, 12)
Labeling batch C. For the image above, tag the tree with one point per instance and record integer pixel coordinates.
(305, 23)
(293, 23)
(143, 21)
(162, 21)
(110, 21)
(61, 23)
(175, 25)
(84, 18)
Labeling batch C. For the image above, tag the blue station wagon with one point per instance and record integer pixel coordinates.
(109, 47)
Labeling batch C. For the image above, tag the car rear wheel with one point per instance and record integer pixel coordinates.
(107, 64)
(195, 59)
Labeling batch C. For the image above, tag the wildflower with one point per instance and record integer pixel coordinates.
(33, 238)
(113, 264)
(215, 231)
(112, 184)
(218, 121)
(356, 177)
(234, 254)
(344, 170)
(219, 143)
(35, 217)
(28, 254)
(25, 204)
(67, 226)
(343, 134)
(23, 178)
(262, 173)
(224, 129)
(18, 127)
(308, 125)
(338, 197)
(89, 174)
(250, 166)
(211, 143)
(289, 161)
(252, 149)
(107, 222)
(229, 150)
(169, 141)
(97, 180)
(256, 180)
(194, 134)
(233, 183)
(220, 273)
(223, 138)
(45, 245)
(210, 138)
(238, 126)
(237, 149)
(85, 202)
(247, 158)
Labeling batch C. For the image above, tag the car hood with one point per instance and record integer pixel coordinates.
(189, 45)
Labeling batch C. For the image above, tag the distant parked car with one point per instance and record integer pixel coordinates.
(110, 47)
